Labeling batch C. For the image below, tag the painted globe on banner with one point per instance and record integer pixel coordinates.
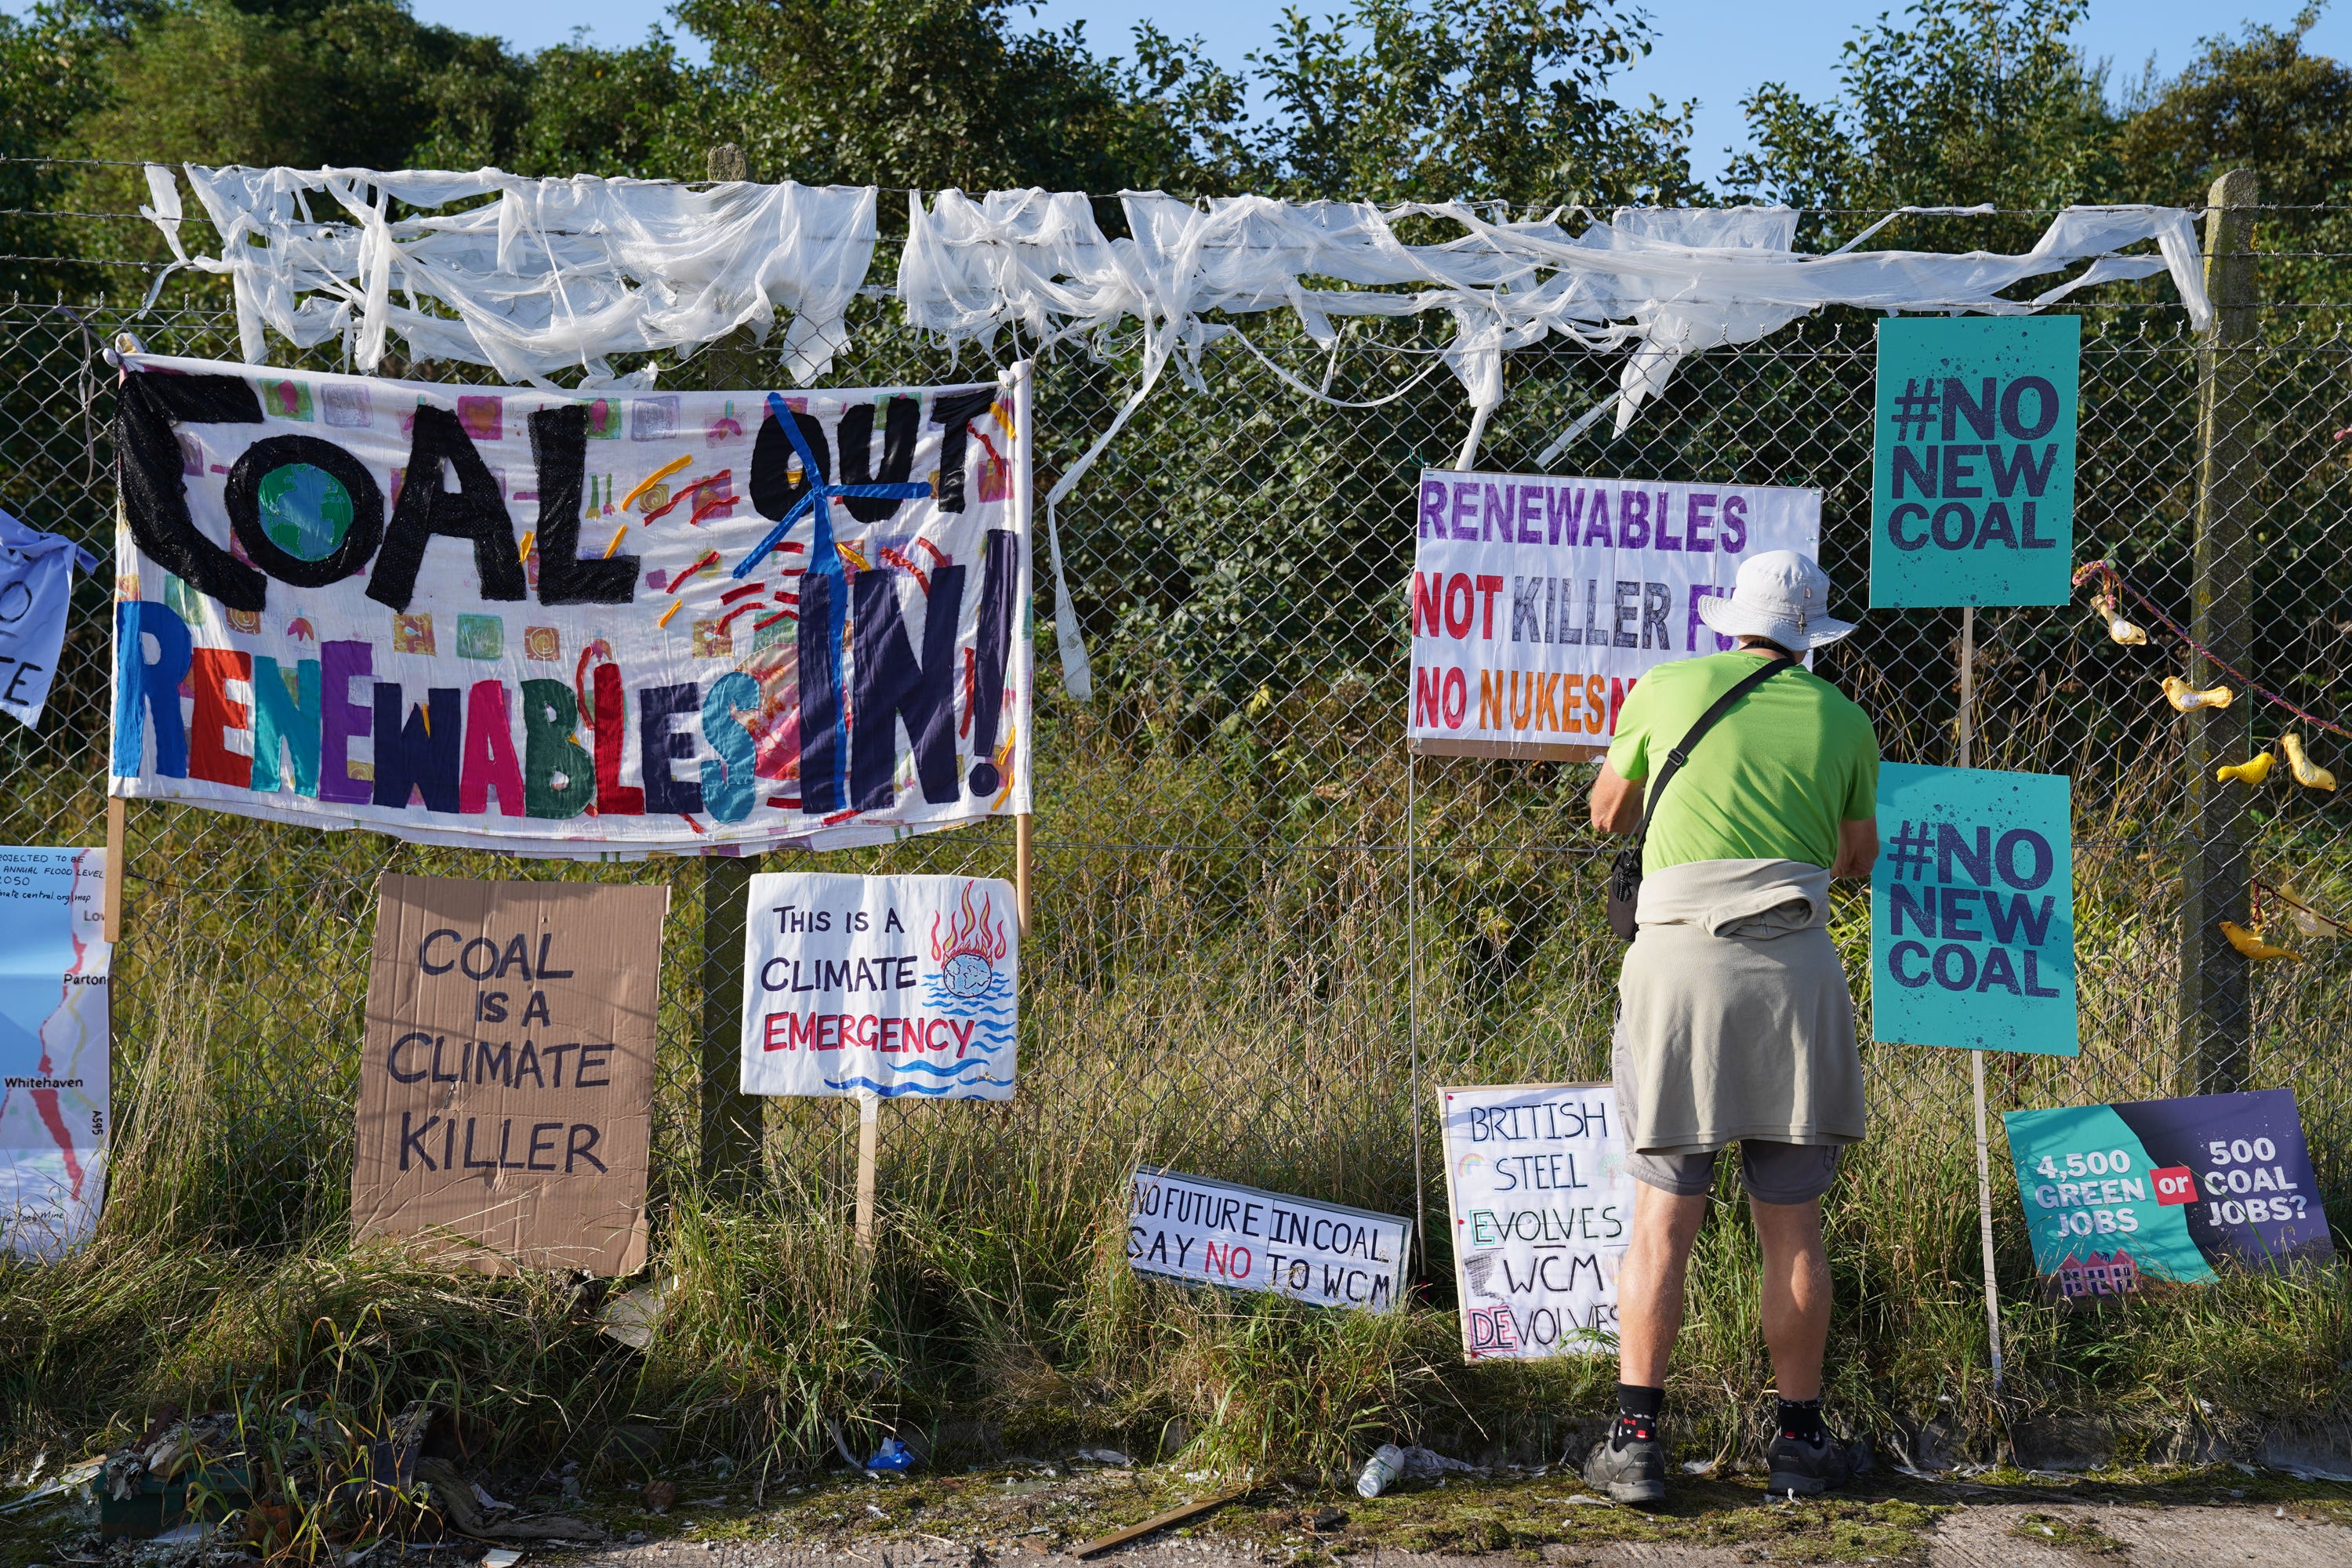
(967, 974)
(305, 510)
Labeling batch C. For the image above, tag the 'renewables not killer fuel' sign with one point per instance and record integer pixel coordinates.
(1538, 602)
(505, 1081)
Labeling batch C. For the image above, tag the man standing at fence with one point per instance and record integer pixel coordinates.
(1735, 1024)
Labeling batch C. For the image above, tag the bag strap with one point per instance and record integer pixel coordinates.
(1681, 753)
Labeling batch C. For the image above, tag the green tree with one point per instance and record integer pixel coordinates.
(586, 110)
(931, 93)
(1966, 101)
(1432, 99)
(358, 82)
(51, 74)
(2257, 100)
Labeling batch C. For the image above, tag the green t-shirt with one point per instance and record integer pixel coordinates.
(1771, 780)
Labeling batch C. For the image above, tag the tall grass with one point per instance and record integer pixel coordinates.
(1221, 978)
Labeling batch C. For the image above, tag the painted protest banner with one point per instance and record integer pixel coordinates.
(506, 1088)
(547, 623)
(1536, 1182)
(35, 590)
(1972, 911)
(1972, 476)
(55, 1048)
(2166, 1189)
(1537, 603)
(1214, 1233)
(882, 985)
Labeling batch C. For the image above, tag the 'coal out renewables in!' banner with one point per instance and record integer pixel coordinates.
(574, 624)
(1537, 603)
(1972, 911)
(1972, 478)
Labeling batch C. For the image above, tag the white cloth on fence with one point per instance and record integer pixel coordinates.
(558, 273)
(551, 274)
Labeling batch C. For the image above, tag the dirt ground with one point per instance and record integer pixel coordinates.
(1037, 1513)
(1967, 1535)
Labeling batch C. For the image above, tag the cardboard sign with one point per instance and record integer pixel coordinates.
(1538, 602)
(55, 1048)
(1972, 479)
(1214, 1233)
(575, 625)
(506, 1088)
(1542, 1209)
(882, 985)
(1972, 911)
(2165, 1189)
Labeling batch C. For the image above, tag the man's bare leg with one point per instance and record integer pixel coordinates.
(1650, 1283)
(1796, 1293)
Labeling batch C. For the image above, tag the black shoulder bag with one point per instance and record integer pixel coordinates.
(1625, 871)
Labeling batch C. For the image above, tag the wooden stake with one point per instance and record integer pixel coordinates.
(117, 866)
(1178, 1515)
(1024, 853)
(869, 1116)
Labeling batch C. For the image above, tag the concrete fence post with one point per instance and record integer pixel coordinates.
(2215, 871)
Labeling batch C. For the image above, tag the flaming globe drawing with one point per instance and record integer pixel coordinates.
(968, 951)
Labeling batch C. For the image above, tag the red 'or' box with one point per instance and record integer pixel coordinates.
(2174, 1185)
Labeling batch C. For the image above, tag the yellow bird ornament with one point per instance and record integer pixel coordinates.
(2118, 629)
(2254, 946)
(2309, 773)
(2252, 771)
(2186, 699)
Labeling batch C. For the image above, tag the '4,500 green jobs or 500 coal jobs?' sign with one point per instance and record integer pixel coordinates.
(1972, 479)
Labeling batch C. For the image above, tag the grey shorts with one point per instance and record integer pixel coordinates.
(1772, 1173)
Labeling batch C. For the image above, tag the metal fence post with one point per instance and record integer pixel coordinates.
(2215, 871)
(730, 1118)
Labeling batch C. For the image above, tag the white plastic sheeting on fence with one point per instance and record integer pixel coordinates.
(556, 273)
(552, 274)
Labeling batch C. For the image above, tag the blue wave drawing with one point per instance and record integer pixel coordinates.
(940, 1071)
(999, 992)
(892, 1091)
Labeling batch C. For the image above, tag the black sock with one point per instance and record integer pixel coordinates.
(1638, 1409)
(1802, 1419)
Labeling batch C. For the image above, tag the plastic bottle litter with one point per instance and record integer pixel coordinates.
(1381, 1471)
(892, 1455)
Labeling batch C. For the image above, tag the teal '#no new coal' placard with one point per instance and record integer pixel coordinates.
(1972, 478)
(1972, 911)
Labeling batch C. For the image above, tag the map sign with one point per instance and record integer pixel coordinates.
(1535, 1176)
(55, 1048)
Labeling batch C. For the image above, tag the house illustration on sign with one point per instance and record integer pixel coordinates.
(2101, 1274)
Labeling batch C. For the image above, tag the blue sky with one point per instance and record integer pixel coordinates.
(1713, 50)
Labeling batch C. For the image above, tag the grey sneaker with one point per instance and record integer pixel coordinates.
(1806, 1469)
(1635, 1473)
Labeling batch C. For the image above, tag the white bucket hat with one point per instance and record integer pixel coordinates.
(1779, 596)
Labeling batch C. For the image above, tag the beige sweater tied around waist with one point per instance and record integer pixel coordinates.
(1734, 1019)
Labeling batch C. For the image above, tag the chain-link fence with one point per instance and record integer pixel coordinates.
(1264, 934)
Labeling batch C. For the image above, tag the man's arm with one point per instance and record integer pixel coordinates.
(1617, 803)
(1857, 849)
